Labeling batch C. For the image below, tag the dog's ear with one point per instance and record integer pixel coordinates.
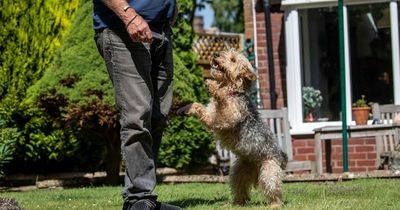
(250, 76)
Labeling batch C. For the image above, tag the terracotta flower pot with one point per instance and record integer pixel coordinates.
(360, 115)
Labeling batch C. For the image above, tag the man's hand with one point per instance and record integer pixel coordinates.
(136, 26)
(139, 30)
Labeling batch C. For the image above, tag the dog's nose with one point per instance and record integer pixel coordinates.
(216, 55)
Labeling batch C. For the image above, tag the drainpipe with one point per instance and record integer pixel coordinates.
(267, 15)
(260, 105)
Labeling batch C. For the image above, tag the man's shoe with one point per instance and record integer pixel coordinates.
(147, 205)
(139, 205)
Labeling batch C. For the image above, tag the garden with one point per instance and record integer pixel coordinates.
(58, 115)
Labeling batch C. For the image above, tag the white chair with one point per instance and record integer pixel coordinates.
(278, 122)
(385, 145)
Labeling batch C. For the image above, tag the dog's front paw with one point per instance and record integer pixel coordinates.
(211, 84)
(184, 110)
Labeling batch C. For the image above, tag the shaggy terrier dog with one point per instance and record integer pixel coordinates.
(234, 120)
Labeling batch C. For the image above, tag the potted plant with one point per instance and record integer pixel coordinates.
(360, 110)
(312, 99)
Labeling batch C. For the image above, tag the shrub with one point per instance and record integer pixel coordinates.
(186, 144)
(8, 139)
(30, 33)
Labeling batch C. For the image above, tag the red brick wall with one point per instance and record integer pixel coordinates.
(278, 40)
(361, 153)
(248, 18)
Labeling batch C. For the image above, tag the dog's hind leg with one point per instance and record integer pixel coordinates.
(243, 176)
(270, 181)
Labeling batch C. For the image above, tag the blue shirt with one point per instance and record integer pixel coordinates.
(154, 12)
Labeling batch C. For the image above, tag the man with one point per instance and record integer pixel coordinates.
(140, 67)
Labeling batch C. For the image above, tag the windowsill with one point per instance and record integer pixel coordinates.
(308, 128)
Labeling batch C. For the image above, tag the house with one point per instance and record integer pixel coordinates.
(305, 41)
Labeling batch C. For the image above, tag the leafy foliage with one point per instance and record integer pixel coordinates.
(185, 141)
(228, 15)
(30, 33)
(74, 100)
(362, 102)
(311, 98)
(8, 139)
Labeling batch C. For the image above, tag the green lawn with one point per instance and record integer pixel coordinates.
(358, 194)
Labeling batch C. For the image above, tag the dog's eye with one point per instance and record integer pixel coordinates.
(233, 59)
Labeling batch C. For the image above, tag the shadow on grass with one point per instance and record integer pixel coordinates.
(192, 202)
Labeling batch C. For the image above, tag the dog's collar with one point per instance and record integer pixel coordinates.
(233, 93)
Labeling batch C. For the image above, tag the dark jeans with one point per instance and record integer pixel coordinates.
(141, 74)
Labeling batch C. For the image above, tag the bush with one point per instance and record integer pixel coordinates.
(75, 101)
(186, 144)
(8, 139)
(31, 31)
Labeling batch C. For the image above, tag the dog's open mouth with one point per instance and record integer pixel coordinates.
(215, 66)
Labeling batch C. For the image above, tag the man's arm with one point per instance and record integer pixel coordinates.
(136, 26)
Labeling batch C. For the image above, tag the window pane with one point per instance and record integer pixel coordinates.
(370, 52)
(320, 56)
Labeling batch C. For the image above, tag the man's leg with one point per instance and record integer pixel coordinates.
(162, 76)
(129, 65)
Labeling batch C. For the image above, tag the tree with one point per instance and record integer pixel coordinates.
(228, 15)
(30, 32)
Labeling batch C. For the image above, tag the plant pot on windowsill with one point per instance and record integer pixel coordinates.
(361, 111)
(360, 115)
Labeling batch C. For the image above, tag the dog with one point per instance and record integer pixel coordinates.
(235, 122)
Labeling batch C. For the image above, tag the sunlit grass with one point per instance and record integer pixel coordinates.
(357, 194)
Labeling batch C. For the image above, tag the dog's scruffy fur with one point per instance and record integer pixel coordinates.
(234, 120)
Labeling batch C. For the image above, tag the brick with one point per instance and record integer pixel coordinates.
(337, 170)
(336, 142)
(365, 162)
(337, 150)
(300, 157)
(371, 155)
(365, 148)
(350, 149)
(370, 141)
(356, 142)
(311, 157)
(357, 156)
(357, 169)
(310, 143)
(337, 156)
(299, 143)
(304, 150)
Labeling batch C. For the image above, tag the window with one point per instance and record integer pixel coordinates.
(371, 52)
(312, 47)
(320, 60)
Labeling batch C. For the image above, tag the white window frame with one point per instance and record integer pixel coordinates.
(293, 58)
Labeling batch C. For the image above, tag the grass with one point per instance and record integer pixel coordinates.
(358, 194)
